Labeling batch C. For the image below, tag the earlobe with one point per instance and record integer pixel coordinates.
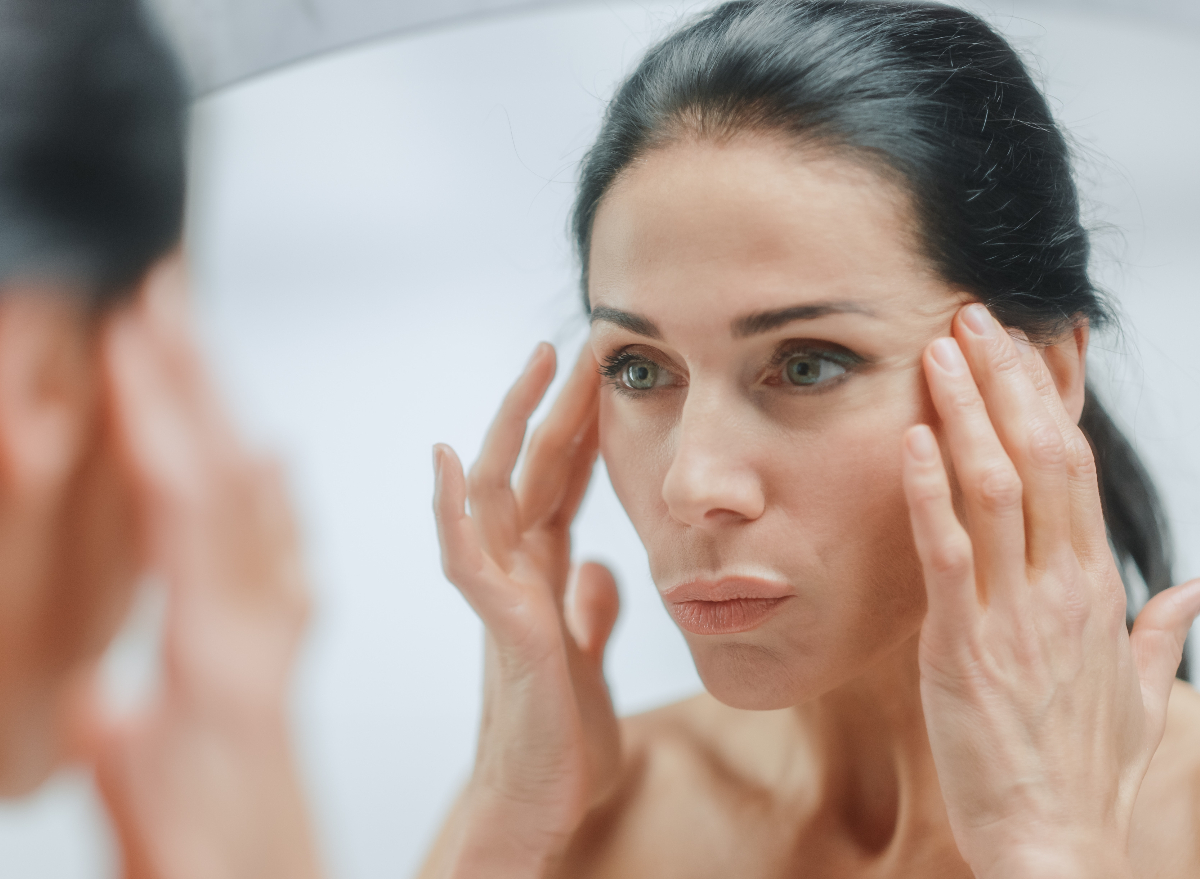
(1066, 361)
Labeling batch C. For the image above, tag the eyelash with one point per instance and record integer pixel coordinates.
(614, 364)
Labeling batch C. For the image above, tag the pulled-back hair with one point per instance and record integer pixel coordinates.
(941, 104)
(92, 123)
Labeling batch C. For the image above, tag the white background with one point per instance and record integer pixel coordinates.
(379, 239)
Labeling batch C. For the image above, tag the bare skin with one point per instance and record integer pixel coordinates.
(117, 460)
(711, 791)
(943, 684)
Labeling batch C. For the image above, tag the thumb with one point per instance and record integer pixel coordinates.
(592, 607)
(1157, 642)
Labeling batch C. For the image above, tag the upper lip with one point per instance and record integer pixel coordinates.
(727, 589)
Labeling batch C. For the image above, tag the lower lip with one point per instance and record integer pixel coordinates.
(723, 617)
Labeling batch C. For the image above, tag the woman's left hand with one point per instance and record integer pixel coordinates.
(1043, 712)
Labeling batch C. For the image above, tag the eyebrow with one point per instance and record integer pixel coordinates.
(750, 325)
(635, 323)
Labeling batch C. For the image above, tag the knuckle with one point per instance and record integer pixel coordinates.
(1042, 382)
(455, 570)
(950, 558)
(1080, 458)
(1072, 603)
(997, 488)
(1114, 609)
(1045, 445)
(965, 398)
(926, 492)
(1006, 359)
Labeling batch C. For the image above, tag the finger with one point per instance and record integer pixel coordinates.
(1157, 640)
(592, 607)
(579, 462)
(942, 544)
(1086, 517)
(550, 469)
(1029, 434)
(270, 539)
(164, 305)
(494, 510)
(989, 483)
(165, 418)
(114, 774)
(85, 718)
(464, 561)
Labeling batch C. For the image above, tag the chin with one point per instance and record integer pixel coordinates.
(753, 677)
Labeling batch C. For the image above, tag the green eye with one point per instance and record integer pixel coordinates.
(811, 369)
(641, 375)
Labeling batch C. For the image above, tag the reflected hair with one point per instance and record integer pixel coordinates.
(938, 103)
(92, 129)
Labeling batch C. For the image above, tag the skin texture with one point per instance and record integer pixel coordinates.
(947, 688)
(116, 462)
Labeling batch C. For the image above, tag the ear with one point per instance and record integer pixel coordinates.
(47, 388)
(1066, 361)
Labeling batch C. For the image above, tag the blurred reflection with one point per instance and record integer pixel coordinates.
(116, 461)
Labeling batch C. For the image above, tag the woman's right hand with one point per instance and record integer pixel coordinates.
(201, 782)
(548, 743)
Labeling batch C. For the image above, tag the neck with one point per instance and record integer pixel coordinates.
(877, 777)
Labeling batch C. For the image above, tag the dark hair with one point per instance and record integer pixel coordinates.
(92, 126)
(940, 103)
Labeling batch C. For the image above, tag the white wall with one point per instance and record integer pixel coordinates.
(379, 240)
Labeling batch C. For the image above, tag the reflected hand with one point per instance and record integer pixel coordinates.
(1043, 712)
(548, 746)
(201, 783)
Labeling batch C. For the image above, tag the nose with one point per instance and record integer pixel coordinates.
(712, 480)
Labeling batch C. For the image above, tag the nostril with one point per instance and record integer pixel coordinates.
(722, 516)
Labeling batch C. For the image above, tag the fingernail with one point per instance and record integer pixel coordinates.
(949, 357)
(979, 320)
(921, 444)
(1022, 344)
(437, 462)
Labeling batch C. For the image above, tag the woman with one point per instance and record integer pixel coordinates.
(839, 319)
(117, 462)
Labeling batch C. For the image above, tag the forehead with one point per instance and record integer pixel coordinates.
(752, 224)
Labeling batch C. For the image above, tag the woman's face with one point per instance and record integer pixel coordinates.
(760, 313)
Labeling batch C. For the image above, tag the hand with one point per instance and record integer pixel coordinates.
(1042, 712)
(201, 782)
(548, 746)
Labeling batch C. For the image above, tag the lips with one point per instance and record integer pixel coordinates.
(726, 606)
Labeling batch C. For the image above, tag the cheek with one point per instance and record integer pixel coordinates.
(844, 498)
(635, 444)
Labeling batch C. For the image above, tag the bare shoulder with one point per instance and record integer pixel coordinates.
(680, 781)
(1166, 829)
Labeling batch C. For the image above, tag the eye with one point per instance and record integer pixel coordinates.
(641, 375)
(811, 368)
